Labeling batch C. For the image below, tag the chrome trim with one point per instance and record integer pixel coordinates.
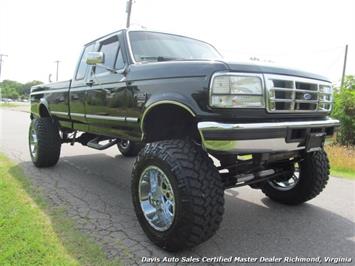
(59, 113)
(250, 145)
(97, 86)
(94, 58)
(84, 88)
(269, 86)
(156, 198)
(146, 111)
(161, 32)
(77, 114)
(272, 125)
(132, 119)
(226, 73)
(130, 47)
(256, 145)
(103, 117)
(33, 142)
(106, 117)
(286, 185)
(43, 102)
(49, 91)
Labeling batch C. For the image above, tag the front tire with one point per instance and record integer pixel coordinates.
(312, 179)
(44, 142)
(195, 191)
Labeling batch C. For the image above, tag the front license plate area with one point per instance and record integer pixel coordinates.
(315, 141)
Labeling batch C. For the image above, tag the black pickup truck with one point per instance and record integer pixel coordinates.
(197, 123)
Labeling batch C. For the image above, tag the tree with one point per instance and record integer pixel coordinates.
(344, 110)
(26, 88)
(13, 89)
(9, 92)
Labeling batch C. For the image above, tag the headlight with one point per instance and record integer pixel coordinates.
(325, 97)
(236, 91)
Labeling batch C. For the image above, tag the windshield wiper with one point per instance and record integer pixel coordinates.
(160, 58)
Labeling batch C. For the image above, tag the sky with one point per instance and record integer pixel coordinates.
(305, 34)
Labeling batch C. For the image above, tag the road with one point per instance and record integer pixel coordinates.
(94, 187)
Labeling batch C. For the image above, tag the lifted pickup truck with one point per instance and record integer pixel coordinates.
(176, 103)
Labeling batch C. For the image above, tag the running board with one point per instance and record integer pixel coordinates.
(95, 143)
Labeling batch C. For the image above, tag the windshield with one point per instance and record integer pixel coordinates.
(154, 46)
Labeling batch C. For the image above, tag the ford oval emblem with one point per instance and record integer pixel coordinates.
(307, 96)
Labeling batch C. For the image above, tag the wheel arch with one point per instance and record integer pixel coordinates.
(43, 111)
(170, 109)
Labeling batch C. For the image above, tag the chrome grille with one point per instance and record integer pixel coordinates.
(294, 94)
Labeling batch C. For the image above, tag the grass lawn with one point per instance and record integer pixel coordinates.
(33, 234)
(8, 105)
(342, 161)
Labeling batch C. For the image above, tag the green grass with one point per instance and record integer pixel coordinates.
(348, 174)
(342, 161)
(31, 233)
(9, 105)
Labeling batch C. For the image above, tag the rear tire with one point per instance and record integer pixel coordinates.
(313, 177)
(44, 142)
(197, 189)
(129, 148)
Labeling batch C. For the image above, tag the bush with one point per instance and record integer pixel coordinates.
(344, 110)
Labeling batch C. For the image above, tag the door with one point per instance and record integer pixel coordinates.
(77, 92)
(105, 99)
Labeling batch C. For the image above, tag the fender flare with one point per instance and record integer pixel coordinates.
(151, 104)
(43, 102)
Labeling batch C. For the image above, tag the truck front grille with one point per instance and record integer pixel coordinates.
(294, 94)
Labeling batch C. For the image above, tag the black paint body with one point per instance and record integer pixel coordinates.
(114, 104)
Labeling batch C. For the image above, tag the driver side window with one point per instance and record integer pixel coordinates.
(110, 48)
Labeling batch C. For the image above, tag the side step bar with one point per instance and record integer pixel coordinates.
(95, 143)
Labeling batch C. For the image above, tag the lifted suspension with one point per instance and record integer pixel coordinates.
(260, 168)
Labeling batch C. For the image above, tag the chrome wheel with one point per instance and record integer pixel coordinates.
(124, 144)
(33, 142)
(290, 183)
(156, 198)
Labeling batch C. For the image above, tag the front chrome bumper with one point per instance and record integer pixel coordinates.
(247, 138)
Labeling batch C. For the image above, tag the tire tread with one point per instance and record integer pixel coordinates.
(314, 177)
(198, 178)
(49, 143)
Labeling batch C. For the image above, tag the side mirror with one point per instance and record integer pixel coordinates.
(95, 58)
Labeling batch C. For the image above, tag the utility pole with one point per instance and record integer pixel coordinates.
(344, 65)
(57, 62)
(128, 11)
(1, 56)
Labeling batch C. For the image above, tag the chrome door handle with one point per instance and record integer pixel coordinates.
(90, 82)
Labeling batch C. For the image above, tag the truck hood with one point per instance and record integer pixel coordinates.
(189, 68)
(271, 69)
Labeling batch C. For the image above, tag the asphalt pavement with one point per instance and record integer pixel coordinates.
(94, 187)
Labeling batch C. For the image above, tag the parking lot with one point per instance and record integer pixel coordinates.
(94, 188)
